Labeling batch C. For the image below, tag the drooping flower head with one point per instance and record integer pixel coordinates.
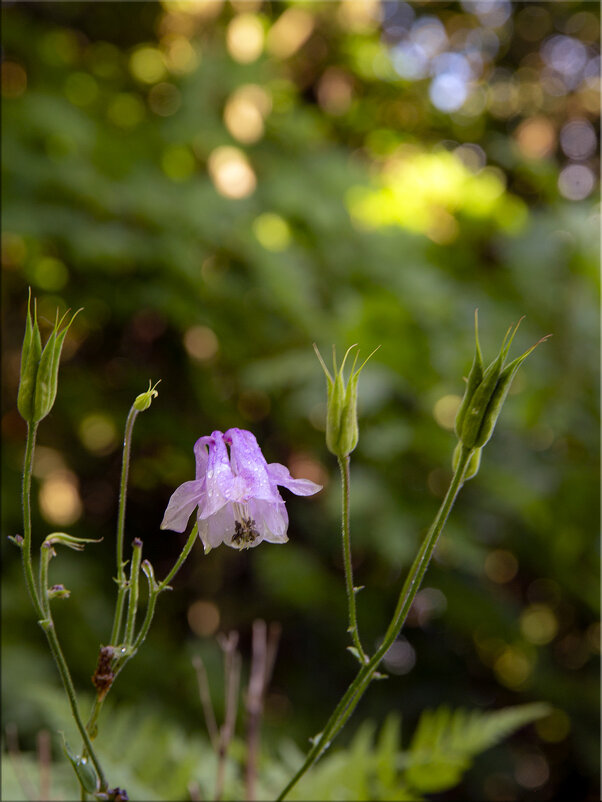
(236, 493)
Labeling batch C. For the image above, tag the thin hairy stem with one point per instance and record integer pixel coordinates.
(356, 689)
(121, 577)
(350, 588)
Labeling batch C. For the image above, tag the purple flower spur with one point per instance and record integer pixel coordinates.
(236, 494)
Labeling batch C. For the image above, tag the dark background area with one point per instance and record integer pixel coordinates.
(219, 185)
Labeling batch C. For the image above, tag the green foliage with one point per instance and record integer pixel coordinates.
(445, 742)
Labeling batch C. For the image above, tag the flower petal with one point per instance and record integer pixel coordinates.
(219, 476)
(249, 463)
(181, 504)
(280, 474)
(271, 521)
(200, 456)
(218, 528)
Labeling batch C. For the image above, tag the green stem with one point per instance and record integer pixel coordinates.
(133, 590)
(353, 628)
(43, 608)
(32, 429)
(121, 577)
(356, 689)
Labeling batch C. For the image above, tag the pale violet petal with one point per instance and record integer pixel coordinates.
(280, 474)
(249, 463)
(219, 476)
(200, 456)
(181, 504)
(271, 521)
(219, 528)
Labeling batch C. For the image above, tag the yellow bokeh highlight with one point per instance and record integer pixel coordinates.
(59, 498)
(81, 88)
(98, 433)
(272, 231)
(179, 54)
(244, 38)
(445, 410)
(178, 163)
(513, 667)
(245, 111)
(539, 624)
(126, 110)
(423, 192)
(231, 173)
(49, 273)
(148, 65)
(290, 32)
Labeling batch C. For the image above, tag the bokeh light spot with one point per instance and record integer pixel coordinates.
(400, 658)
(203, 618)
(231, 173)
(445, 409)
(126, 110)
(501, 566)
(290, 32)
(164, 99)
(49, 273)
(538, 624)
(178, 163)
(147, 65)
(532, 771)
(201, 343)
(272, 231)
(576, 182)
(578, 139)
(81, 88)
(98, 433)
(59, 498)
(536, 137)
(244, 38)
(513, 667)
(245, 111)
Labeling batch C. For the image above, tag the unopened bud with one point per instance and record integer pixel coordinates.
(342, 431)
(486, 392)
(144, 400)
(39, 368)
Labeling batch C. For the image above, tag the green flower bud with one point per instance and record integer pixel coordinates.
(39, 368)
(144, 400)
(485, 395)
(342, 431)
(72, 542)
(474, 378)
(30, 359)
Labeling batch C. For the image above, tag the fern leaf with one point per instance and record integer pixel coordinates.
(445, 743)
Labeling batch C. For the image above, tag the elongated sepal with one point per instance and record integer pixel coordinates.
(30, 360)
(342, 431)
(483, 399)
(474, 378)
(63, 539)
(82, 767)
(144, 400)
(47, 375)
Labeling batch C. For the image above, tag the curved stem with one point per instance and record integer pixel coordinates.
(351, 591)
(121, 577)
(356, 689)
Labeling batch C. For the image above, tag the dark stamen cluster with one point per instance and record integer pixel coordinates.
(245, 532)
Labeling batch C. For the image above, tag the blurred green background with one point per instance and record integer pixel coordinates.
(219, 185)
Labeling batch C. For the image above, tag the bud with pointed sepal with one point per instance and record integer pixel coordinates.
(342, 432)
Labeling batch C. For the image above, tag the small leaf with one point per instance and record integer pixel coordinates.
(82, 767)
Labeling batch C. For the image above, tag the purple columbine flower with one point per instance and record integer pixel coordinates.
(236, 494)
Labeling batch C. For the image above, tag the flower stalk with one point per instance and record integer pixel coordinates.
(367, 673)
